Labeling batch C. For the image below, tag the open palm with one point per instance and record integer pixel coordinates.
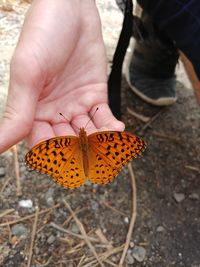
(59, 66)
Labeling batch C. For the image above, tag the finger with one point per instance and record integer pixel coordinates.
(63, 129)
(83, 121)
(25, 79)
(17, 120)
(104, 119)
(40, 131)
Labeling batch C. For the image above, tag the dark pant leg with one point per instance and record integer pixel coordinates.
(179, 20)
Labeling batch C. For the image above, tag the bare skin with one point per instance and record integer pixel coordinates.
(59, 65)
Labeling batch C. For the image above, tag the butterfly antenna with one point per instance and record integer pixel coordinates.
(91, 117)
(68, 120)
(86, 123)
(63, 116)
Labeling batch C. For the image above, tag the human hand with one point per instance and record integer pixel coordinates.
(59, 65)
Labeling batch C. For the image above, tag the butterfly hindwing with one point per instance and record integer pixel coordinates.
(60, 158)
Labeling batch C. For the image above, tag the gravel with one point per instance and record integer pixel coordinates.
(179, 197)
(139, 253)
(2, 171)
(19, 230)
(26, 203)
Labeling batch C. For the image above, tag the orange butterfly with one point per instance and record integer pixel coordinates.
(99, 156)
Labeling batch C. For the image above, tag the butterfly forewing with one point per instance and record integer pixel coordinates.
(59, 157)
(109, 151)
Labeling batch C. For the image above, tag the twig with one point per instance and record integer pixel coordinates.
(111, 263)
(114, 209)
(172, 138)
(70, 217)
(104, 256)
(138, 116)
(4, 185)
(91, 263)
(83, 232)
(10, 233)
(71, 233)
(76, 248)
(152, 120)
(33, 237)
(81, 260)
(6, 212)
(192, 168)
(16, 162)
(43, 264)
(133, 217)
(28, 217)
(107, 261)
(103, 238)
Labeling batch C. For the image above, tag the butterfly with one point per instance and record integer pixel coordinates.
(98, 156)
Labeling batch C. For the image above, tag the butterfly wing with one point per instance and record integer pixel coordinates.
(59, 157)
(109, 151)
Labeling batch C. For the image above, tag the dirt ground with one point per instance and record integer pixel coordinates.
(167, 228)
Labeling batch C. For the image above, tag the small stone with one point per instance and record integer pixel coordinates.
(179, 197)
(132, 244)
(49, 197)
(104, 230)
(94, 205)
(180, 255)
(75, 229)
(194, 196)
(19, 230)
(139, 253)
(26, 203)
(160, 229)
(114, 258)
(2, 171)
(129, 258)
(126, 220)
(23, 168)
(183, 183)
(51, 239)
(50, 201)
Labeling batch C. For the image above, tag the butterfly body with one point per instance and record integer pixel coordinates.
(84, 145)
(98, 156)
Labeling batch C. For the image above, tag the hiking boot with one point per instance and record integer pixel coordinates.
(150, 68)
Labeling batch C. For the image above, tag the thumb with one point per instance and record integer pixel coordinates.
(18, 116)
(17, 119)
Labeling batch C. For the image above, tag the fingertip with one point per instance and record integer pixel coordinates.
(116, 125)
(104, 119)
(11, 132)
(40, 131)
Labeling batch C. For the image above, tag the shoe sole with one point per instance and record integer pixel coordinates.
(162, 101)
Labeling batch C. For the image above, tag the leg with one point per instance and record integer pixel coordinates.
(150, 68)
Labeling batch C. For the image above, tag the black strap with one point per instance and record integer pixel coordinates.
(114, 81)
(132, 26)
